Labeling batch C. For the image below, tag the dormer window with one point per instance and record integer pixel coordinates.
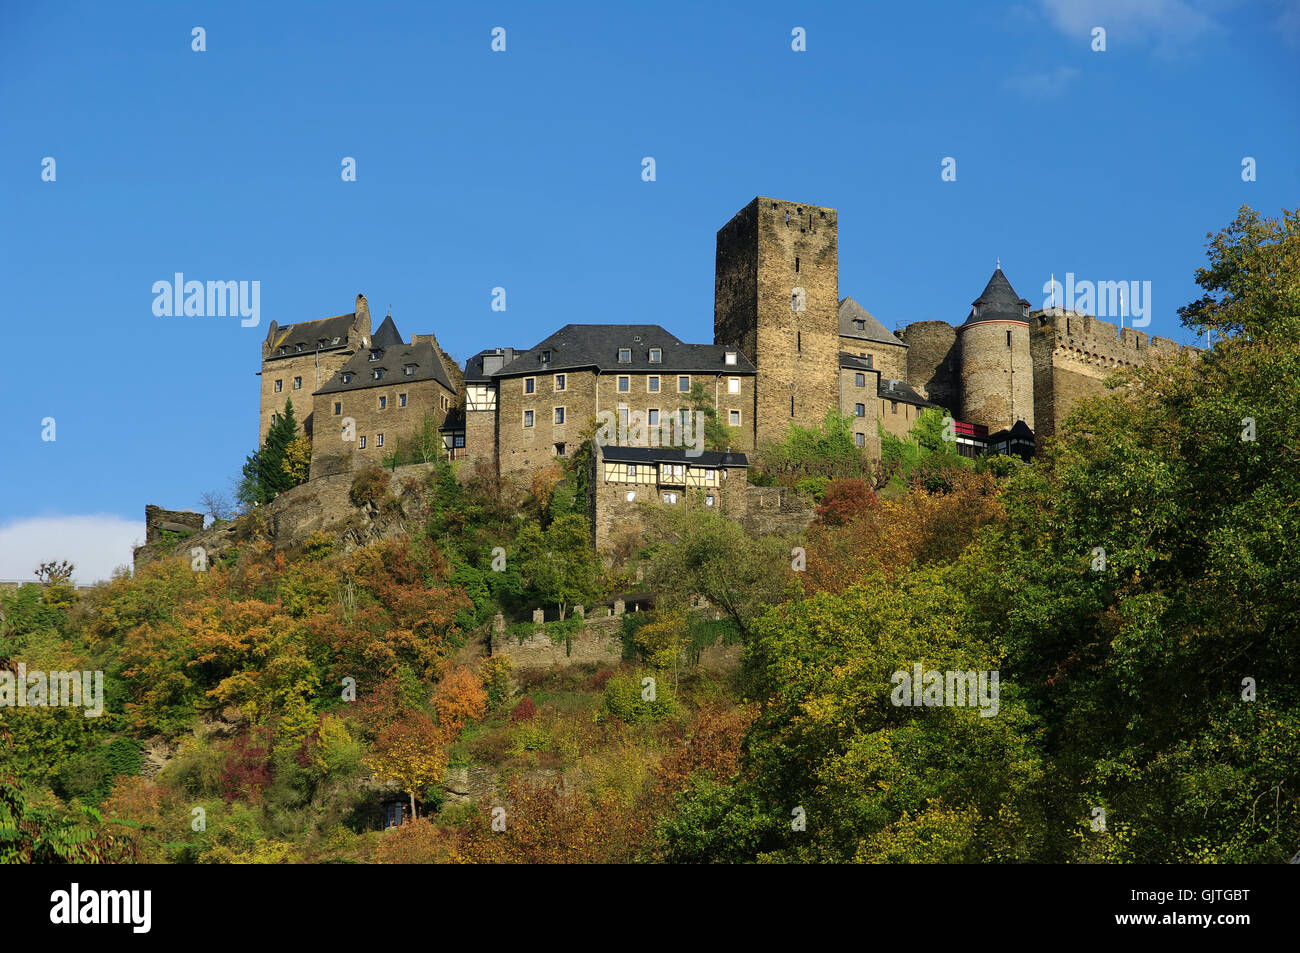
(347, 378)
(656, 355)
(408, 369)
(320, 343)
(729, 358)
(860, 325)
(1024, 310)
(625, 355)
(335, 341)
(300, 347)
(546, 357)
(376, 355)
(378, 373)
(284, 350)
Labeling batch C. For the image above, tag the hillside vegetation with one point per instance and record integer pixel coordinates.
(1137, 590)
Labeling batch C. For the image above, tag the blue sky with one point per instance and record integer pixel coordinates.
(522, 169)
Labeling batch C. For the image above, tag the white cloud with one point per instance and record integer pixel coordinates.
(95, 545)
(1167, 24)
(1043, 85)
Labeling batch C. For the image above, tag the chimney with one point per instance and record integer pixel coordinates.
(362, 322)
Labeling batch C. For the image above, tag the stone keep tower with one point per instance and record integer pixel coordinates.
(997, 371)
(776, 300)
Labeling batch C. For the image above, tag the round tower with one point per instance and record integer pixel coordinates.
(997, 372)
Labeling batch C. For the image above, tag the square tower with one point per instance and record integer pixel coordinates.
(776, 299)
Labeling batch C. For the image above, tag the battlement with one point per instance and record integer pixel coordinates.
(1094, 338)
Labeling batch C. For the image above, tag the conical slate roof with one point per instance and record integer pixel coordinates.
(997, 302)
(387, 335)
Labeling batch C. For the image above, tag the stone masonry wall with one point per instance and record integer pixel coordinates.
(330, 453)
(997, 378)
(933, 361)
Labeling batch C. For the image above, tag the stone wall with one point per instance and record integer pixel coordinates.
(889, 359)
(933, 361)
(158, 520)
(774, 510)
(1073, 356)
(851, 394)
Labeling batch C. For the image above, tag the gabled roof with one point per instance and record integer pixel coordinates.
(596, 346)
(706, 458)
(893, 389)
(387, 335)
(480, 368)
(1020, 431)
(872, 330)
(856, 363)
(997, 302)
(393, 361)
(309, 334)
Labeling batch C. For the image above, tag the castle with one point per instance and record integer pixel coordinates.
(786, 350)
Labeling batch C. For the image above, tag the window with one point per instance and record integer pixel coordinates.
(871, 360)
(459, 440)
(300, 347)
(622, 415)
(379, 440)
(656, 355)
(792, 405)
(275, 419)
(860, 325)
(284, 350)
(683, 385)
(320, 343)
(631, 471)
(798, 340)
(546, 357)
(408, 369)
(625, 355)
(559, 382)
(733, 418)
(893, 406)
(559, 415)
(528, 418)
(336, 340)
(624, 384)
(279, 386)
(378, 373)
(362, 444)
(684, 416)
(708, 499)
(375, 355)
(1008, 338)
(671, 473)
(559, 449)
(338, 408)
(297, 383)
(652, 384)
(860, 439)
(796, 264)
(652, 417)
(670, 497)
(730, 359)
(401, 400)
(733, 385)
(631, 496)
(347, 378)
(530, 385)
(860, 410)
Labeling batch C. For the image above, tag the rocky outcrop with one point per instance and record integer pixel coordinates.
(318, 506)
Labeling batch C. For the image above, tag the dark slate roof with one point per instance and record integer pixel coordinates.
(855, 362)
(387, 335)
(474, 367)
(997, 302)
(310, 333)
(872, 330)
(596, 346)
(392, 360)
(901, 390)
(707, 458)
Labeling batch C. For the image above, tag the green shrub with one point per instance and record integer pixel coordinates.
(369, 486)
(625, 700)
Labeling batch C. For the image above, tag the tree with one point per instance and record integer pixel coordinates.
(411, 751)
(557, 565)
(297, 459)
(1252, 283)
(264, 473)
(704, 553)
(217, 505)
